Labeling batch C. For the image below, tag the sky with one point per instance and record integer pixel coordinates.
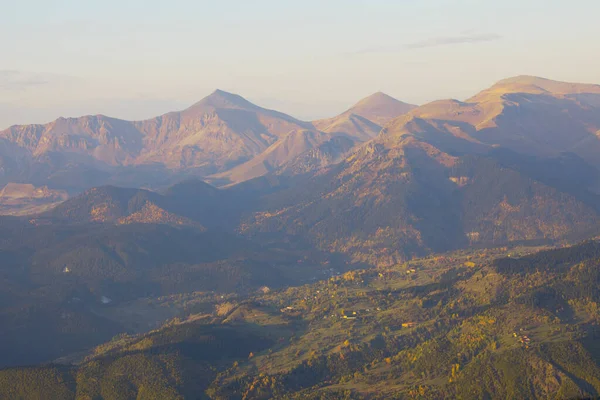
(135, 59)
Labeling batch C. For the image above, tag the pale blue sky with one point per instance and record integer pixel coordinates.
(311, 58)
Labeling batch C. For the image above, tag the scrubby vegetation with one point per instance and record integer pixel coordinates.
(399, 198)
(61, 284)
(502, 323)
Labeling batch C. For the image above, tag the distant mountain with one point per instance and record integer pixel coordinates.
(526, 114)
(499, 168)
(221, 129)
(216, 133)
(380, 108)
(222, 135)
(231, 140)
(445, 175)
(537, 85)
(360, 123)
(213, 135)
(365, 119)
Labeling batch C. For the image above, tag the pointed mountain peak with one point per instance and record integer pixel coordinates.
(378, 98)
(222, 99)
(380, 108)
(221, 94)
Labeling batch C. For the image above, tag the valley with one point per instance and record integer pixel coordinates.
(367, 334)
(231, 251)
(299, 200)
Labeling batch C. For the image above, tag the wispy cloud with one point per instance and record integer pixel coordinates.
(15, 80)
(449, 40)
(466, 37)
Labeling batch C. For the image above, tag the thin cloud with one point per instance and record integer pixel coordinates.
(466, 37)
(15, 80)
(449, 40)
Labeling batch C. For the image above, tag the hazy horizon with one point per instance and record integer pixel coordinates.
(310, 60)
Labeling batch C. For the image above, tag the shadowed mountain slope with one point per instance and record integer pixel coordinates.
(428, 184)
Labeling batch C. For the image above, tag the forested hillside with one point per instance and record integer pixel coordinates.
(510, 323)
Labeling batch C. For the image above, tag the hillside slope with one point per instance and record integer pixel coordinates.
(506, 166)
(461, 325)
(397, 198)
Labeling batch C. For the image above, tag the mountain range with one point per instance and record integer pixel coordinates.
(225, 139)
(382, 182)
(206, 213)
(516, 162)
(223, 134)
